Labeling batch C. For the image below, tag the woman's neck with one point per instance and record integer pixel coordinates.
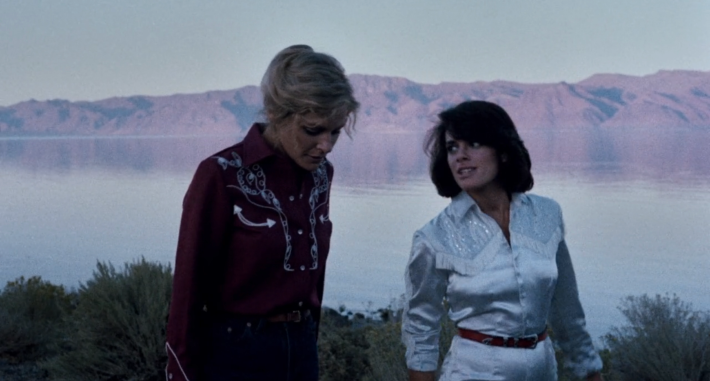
(496, 204)
(492, 199)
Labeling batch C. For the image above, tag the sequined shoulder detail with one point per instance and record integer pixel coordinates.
(537, 225)
(466, 246)
(538, 219)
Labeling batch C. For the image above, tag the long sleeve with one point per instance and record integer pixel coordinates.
(567, 320)
(424, 308)
(205, 219)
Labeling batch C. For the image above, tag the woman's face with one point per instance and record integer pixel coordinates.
(474, 166)
(307, 139)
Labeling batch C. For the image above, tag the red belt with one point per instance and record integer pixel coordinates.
(289, 317)
(498, 341)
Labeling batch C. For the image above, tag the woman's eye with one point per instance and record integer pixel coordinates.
(451, 148)
(336, 132)
(312, 131)
(475, 145)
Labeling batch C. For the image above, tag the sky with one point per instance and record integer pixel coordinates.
(97, 49)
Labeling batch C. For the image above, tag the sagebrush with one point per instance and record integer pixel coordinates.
(113, 328)
(664, 339)
(31, 316)
(117, 331)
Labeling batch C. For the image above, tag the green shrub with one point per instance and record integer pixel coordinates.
(31, 312)
(117, 331)
(386, 352)
(358, 347)
(342, 346)
(665, 339)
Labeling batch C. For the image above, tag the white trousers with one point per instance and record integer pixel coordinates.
(469, 360)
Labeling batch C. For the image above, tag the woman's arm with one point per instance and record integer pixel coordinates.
(423, 308)
(568, 321)
(205, 220)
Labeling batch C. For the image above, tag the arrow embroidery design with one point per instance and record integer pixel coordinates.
(238, 211)
(251, 181)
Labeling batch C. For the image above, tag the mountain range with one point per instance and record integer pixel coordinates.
(667, 99)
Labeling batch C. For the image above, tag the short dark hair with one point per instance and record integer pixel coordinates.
(485, 123)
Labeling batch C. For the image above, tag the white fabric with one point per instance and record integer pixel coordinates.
(501, 289)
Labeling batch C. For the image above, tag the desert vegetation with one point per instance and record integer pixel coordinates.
(113, 328)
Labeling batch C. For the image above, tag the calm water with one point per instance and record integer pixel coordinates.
(637, 210)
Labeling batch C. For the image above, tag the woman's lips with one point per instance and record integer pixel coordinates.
(466, 170)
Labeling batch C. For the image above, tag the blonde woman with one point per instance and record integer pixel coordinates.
(255, 234)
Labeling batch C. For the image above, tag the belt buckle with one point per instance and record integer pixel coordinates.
(295, 316)
(535, 339)
(505, 341)
(487, 341)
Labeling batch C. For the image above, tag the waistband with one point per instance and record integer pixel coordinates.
(529, 342)
(295, 316)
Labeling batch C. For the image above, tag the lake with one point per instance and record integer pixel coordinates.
(636, 207)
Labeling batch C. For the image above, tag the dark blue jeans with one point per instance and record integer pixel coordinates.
(243, 349)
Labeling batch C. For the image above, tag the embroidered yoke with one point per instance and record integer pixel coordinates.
(254, 238)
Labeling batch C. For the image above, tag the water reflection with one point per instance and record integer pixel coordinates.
(607, 154)
(372, 158)
(140, 154)
(636, 204)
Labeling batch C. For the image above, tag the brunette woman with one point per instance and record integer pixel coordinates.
(495, 260)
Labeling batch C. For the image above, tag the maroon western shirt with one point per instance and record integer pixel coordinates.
(254, 238)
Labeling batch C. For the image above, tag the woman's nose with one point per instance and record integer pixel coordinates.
(326, 143)
(462, 154)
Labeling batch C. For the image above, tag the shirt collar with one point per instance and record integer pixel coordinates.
(255, 146)
(519, 199)
(462, 203)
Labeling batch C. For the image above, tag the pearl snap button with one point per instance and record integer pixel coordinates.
(291, 198)
(303, 268)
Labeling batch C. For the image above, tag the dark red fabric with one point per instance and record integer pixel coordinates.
(254, 237)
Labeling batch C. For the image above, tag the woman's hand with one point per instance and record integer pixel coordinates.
(415, 375)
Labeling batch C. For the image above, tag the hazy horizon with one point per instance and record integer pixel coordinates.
(88, 51)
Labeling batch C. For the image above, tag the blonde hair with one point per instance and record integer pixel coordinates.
(300, 80)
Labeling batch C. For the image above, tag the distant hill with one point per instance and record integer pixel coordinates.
(669, 99)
